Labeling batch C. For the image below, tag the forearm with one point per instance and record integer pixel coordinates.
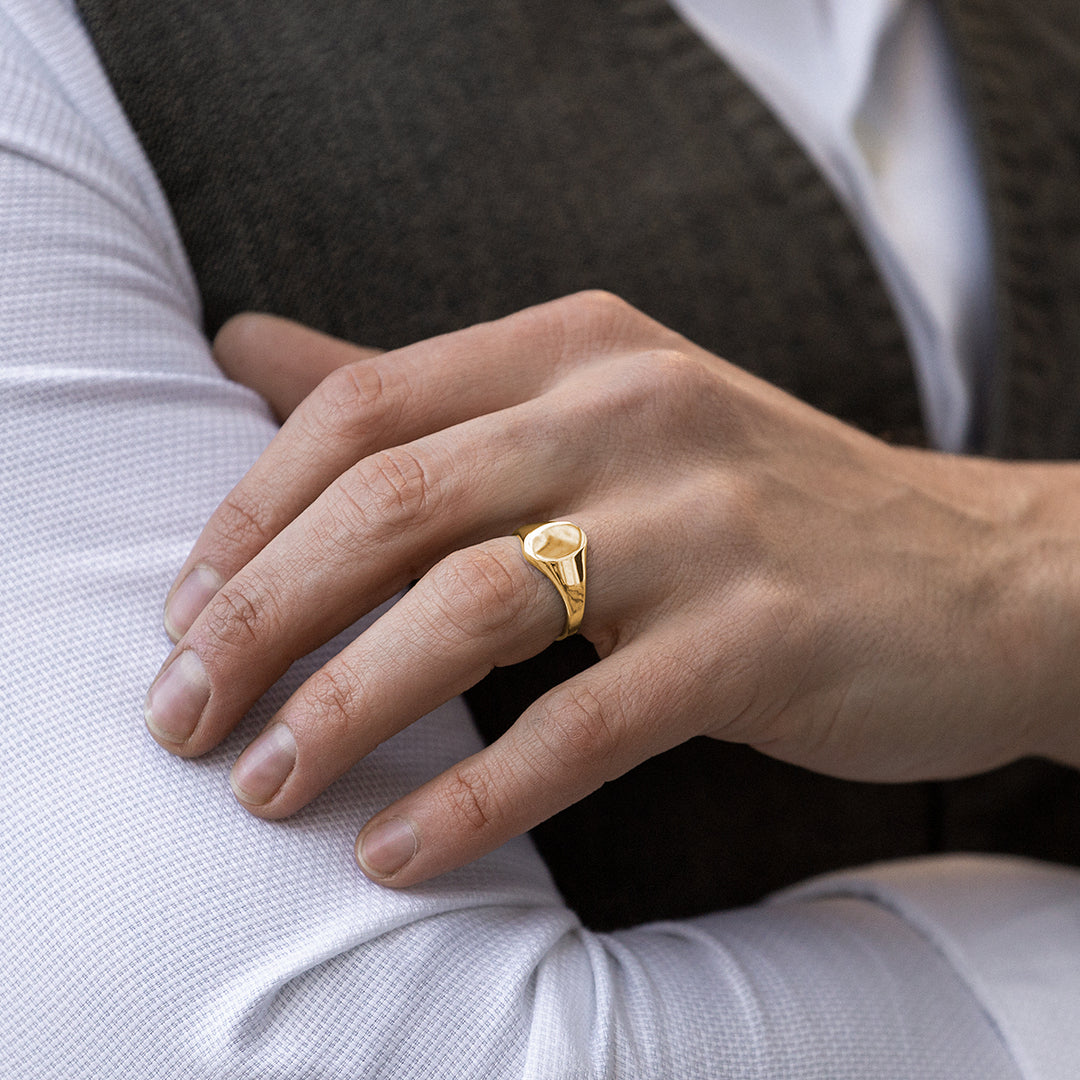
(1046, 567)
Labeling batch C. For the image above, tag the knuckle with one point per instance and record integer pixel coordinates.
(476, 593)
(351, 389)
(607, 316)
(578, 726)
(657, 386)
(600, 303)
(666, 388)
(355, 400)
(593, 321)
(335, 697)
(391, 488)
(244, 522)
(782, 627)
(470, 798)
(670, 375)
(241, 614)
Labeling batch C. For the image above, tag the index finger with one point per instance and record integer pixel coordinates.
(366, 404)
(370, 403)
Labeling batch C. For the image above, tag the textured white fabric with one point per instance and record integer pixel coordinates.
(152, 928)
(869, 89)
(1033, 995)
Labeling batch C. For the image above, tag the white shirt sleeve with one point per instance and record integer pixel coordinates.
(150, 926)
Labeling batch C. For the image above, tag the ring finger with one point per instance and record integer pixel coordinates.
(476, 609)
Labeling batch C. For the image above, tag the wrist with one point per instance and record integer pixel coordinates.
(1043, 567)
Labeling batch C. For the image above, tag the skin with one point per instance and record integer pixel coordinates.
(758, 572)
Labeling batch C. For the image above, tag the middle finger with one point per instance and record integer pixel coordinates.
(477, 608)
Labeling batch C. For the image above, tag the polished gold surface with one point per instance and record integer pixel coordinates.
(557, 550)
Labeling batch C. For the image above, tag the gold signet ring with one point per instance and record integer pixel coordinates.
(557, 550)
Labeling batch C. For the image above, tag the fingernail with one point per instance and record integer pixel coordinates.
(193, 594)
(177, 699)
(386, 848)
(264, 766)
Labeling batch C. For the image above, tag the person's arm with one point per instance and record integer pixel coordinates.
(151, 926)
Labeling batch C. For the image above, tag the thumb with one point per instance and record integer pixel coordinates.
(280, 359)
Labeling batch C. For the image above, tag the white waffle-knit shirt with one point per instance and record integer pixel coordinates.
(151, 928)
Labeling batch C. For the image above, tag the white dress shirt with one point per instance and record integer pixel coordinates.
(153, 928)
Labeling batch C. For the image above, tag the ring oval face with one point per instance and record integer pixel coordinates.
(555, 541)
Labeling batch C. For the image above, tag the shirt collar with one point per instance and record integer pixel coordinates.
(821, 51)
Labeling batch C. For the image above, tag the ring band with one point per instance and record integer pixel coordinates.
(557, 550)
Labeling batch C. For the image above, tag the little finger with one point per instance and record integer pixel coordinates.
(630, 706)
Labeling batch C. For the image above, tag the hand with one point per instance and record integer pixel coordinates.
(758, 572)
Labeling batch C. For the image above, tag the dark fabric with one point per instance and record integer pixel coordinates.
(388, 172)
(391, 171)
